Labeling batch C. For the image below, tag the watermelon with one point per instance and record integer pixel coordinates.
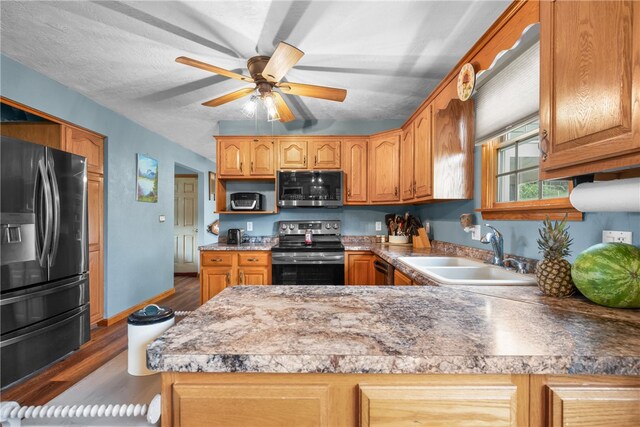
(609, 274)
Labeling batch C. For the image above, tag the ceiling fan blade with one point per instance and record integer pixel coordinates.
(229, 97)
(283, 109)
(322, 92)
(282, 60)
(212, 68)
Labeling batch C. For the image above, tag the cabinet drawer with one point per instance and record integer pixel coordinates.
(253, 258)
(216, 258)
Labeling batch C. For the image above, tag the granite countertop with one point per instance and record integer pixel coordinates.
(257, 246)
(408, 329)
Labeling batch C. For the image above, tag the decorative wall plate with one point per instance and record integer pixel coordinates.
(466, 81)
(214, 227)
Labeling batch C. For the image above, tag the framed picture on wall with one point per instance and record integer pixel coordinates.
(212, 185)
(146, 179)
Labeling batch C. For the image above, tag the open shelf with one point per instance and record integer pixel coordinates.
(246, 212)
(265, 186)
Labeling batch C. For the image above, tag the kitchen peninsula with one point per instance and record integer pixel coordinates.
(280, 355)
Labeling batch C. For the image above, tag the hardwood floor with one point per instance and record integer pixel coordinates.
(105, 344)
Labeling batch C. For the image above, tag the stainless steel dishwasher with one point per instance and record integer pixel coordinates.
(383, 272)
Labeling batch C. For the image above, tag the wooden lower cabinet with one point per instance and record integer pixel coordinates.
(358, 266)
(581, 401)
(243, 399)
(400, 279)
(212, 399)
(219, 269)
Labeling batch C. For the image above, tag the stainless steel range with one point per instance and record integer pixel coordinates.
(309, 253)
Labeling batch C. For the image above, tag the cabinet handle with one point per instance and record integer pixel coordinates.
(216, 259)
(305, 160)
(255, 140)
(228, 278)
(349, 192)
(395, 192)
(544, 141)
(241, 277)
(414, 188)
(252, 259)
(240, 166)
(315, 160)
(251, 167)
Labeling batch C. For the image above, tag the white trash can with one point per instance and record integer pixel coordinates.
(145, 326)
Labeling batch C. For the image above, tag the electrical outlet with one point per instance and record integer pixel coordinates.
(378, 225)
(475, 232)
(249, 226)
(427, 227)
(162, 218)
(616, 236)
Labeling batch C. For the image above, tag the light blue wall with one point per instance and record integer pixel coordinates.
(520, 236)
(356, 220)
(138, 248)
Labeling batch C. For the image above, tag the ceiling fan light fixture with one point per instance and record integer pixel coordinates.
(249, 107)
(270, 105)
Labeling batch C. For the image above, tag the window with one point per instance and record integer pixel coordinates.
(511, 185)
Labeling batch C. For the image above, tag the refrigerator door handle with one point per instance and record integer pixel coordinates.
(56, 211)
(46, 235)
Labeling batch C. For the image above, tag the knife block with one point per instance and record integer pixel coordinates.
(421, 240)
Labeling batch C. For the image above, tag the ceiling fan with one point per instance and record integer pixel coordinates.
(267, 73)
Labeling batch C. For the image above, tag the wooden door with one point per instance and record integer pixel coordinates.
(185, 227)
(213, 281)
(95, 212)
(355, 170)
(262, 158)
(231, 157)
(384, 171)
(407, 187)
(326, 153)
(589, 85)
(87, 144)
(422, 169)
(293, 154)
(400, 279)
(254, 276)
(359, 266)
(453, 151)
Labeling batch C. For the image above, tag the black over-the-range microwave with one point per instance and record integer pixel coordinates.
(309, 189)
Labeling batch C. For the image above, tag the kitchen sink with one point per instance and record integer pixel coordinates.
(464, 271)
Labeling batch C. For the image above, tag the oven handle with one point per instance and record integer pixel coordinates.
(335, 259)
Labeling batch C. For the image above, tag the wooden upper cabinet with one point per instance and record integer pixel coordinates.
(355, 170)
(589, 86)
(293, 154)
(87, 144)
(453, 150)
(262, 157)
(231, 161)
(407, 183)
(325, 153)
(43, 133)
(384, 167)
(422, 168)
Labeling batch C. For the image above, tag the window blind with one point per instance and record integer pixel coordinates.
(510, 96)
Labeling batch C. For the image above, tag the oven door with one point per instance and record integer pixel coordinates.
(307, 269)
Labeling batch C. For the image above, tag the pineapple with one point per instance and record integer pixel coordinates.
(554, 272)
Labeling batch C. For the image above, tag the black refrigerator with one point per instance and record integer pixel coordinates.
(44, 298)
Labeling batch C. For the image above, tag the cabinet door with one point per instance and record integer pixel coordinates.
(86, 144)
(384, 171)
(293, 154)
(593, 406)
(254, 276)
(326, 154)
(407, 183)
(422, 169)
(463, 405)
(213, 281)
(262, 158)
(355, 170)
(589, 84)
(231, 157)
(96, 287)
(453, 151)
(400, 279)
(359, 269)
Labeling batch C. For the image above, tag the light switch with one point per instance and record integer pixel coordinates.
(475, 232)
(162, 218)
(378, 225)
(249, 226)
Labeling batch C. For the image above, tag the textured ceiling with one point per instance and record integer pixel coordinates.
(388, 54)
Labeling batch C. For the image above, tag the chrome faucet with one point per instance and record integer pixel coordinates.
(497, 243)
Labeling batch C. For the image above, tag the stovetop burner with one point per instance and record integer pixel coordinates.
(325, 236)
